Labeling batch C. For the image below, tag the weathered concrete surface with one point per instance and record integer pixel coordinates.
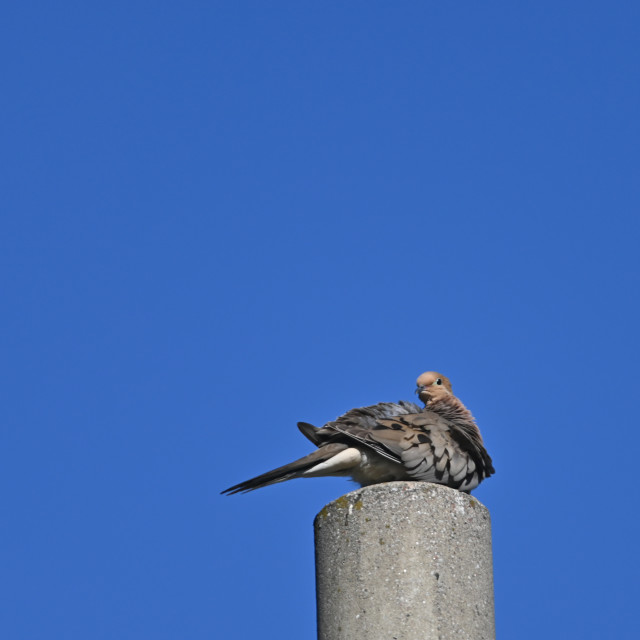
(404, 561)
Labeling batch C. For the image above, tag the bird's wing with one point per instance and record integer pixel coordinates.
(362, 423)
(430, 447)
(433, 449)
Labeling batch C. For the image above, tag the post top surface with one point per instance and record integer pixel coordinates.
(392, 495)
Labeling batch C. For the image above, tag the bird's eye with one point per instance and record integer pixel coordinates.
(439, 381)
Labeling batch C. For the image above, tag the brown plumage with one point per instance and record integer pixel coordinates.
(394, 441)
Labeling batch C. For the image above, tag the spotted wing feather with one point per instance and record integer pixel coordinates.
(360, 426)
(432, 449)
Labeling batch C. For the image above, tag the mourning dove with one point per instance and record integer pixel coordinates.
(394, 441)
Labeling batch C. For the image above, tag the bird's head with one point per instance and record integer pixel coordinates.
(433, 386)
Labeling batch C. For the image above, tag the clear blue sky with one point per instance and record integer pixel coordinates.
(220, 218)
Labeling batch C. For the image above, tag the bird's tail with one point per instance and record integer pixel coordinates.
(288, 471)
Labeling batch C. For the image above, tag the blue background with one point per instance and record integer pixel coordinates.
(222, 218)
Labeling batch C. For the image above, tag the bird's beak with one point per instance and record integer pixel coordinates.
(420, 388)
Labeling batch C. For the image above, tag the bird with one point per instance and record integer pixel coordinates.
(389, 441)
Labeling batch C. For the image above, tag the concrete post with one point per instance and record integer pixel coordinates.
(404, 561)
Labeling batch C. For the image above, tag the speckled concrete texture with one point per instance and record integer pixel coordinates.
(404, 561)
